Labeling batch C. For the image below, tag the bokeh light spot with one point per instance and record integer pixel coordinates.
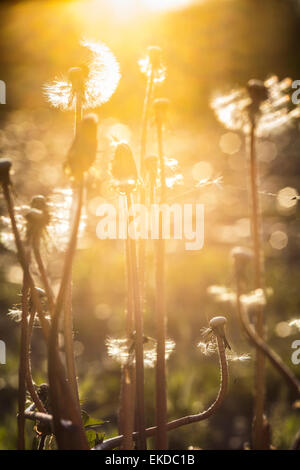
(278, 240)
(230, 143)
(202, 170)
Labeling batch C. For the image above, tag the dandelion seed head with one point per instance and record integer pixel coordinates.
(152, 64)
(99, 80)
(267, 100)
(235, 357)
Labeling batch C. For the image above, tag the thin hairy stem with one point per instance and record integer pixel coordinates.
(42, 442)
(177, 423)
(62, 398)
(23, 260)
(144, 134)
(68, 310)
(43, 274)
(259, 399)
(22, 365)
(29, 380)
(139, 339)
(161, 382)
(126, 418)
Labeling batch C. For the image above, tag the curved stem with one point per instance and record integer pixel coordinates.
(116, 441)
(273, 357)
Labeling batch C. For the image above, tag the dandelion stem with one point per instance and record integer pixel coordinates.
(22, 365)
(139, 346)
(23, 260)
(115, 441)
(144, 134)
(68, 311)
(161, 385)
(43, 274)
(62, 398)
(259, 399)
(273, 357)
(126, 418)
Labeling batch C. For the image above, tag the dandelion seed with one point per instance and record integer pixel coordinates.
(217, 181)
(102, 76)
(122, 350)
(15, 313)
(295, 323)
(207, 348)
(235, 357)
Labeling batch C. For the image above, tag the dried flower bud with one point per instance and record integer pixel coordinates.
(38, 202)
(5, 166)
(82, 153)
(35, 224)
(217, 324)
(123, 168)
(257, 90)
(258, 93)
(154, 54)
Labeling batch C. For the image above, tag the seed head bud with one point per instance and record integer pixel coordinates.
(5, 166)
(123, 168)
(154, 54)
(35, 223)
(217, 324)
(83, 150)
(40, 202)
